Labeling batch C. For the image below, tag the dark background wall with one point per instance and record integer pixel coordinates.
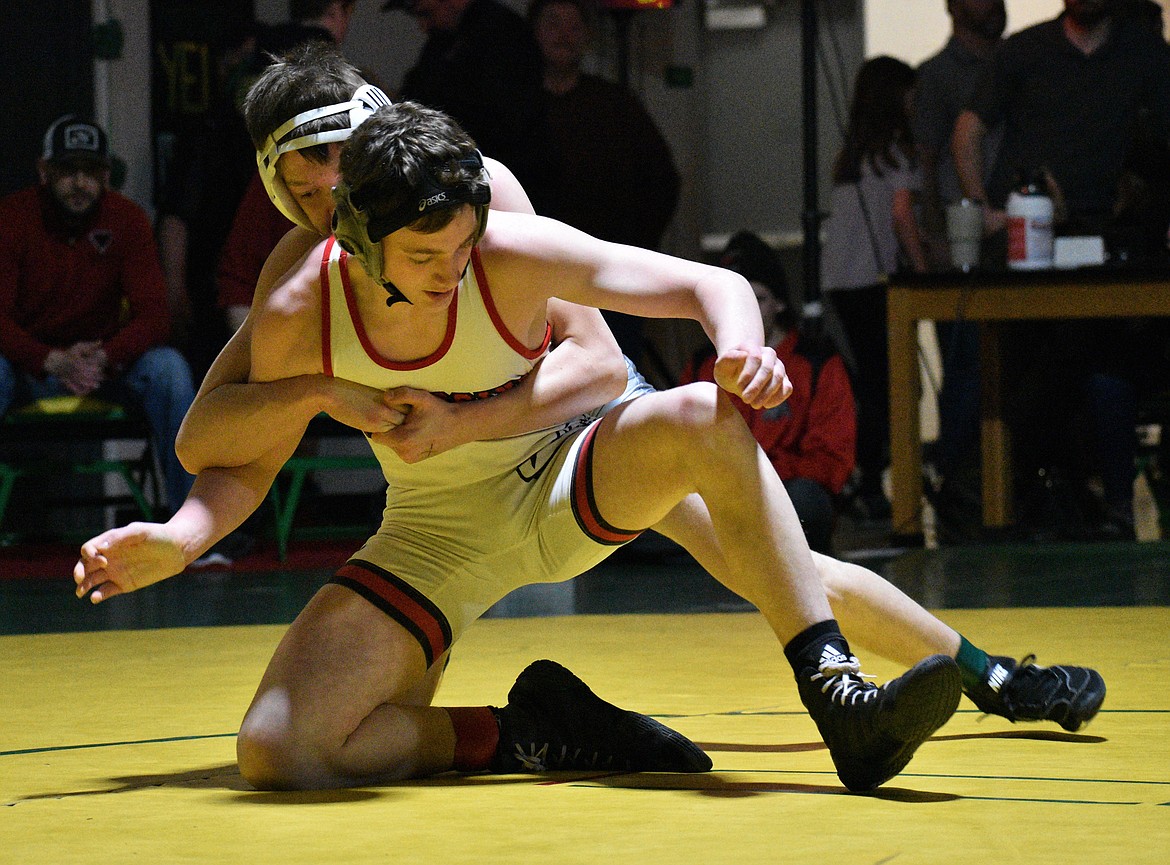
(47, 70)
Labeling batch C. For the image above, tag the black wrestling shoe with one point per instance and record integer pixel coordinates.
(1070, 696)
(554, 721)
(872, 732)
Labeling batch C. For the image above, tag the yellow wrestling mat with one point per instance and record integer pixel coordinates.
(118, 747)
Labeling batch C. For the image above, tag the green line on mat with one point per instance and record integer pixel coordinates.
(115, 744)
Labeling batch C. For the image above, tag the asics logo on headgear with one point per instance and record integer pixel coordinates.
(424, 203)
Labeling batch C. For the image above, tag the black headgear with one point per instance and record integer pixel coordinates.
(361, 236)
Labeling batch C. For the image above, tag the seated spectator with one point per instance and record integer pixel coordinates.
(810, 438)
(83, 305)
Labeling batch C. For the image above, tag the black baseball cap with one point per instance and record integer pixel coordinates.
(751, 257)
(73, 138)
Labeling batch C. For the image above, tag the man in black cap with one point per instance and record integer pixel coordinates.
(83, 305)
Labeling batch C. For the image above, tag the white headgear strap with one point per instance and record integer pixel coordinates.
(365, 101)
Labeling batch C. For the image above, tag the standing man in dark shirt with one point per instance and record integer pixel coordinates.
(946, 82)
(481, 65)
(1070, 93)
(614, 174)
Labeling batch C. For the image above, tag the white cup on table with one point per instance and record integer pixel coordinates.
(965, 233)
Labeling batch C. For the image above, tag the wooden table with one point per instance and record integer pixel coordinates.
(990, 299)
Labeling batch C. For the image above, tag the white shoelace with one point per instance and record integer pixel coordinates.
(538, 758)
(844, 681)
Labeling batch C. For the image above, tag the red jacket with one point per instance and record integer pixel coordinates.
(255, 231)
(813, 434)
(104, 284)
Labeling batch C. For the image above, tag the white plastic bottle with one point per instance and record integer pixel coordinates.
(1029, 226)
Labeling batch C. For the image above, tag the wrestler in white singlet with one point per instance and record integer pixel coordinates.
(465, 527)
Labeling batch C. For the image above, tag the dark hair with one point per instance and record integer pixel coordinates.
(312, 75)
(308, 10)
(1146, 11)
(753, 259)
(587, 9)
(389, 155)
(879, 123)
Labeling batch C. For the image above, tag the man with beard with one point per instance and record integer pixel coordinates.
(83, 306)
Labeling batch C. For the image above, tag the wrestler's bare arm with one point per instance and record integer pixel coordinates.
(507, 193)
(222, 412)
(139, 554)
(531, 258)
(585, 369)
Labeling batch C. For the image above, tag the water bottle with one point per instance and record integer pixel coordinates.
(1029, 225)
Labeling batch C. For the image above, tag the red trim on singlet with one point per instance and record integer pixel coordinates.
(584, 506)
(368, 347)
(494, 314)
(401, 602)
(326, 334)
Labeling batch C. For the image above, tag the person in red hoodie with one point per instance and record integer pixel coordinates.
(810, 438)
(83, 306)
(256, 229)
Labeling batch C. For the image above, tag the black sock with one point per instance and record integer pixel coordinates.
(806, 648)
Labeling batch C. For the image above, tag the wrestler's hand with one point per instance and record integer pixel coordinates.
(126, 559)
(430, 426)
(367, 409)
(755, 375)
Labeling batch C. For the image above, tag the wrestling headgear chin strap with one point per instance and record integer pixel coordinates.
(365, 101)
(361, 236)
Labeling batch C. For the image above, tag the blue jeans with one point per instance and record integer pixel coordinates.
(1114, 408)
(159, 383)
(959, 401)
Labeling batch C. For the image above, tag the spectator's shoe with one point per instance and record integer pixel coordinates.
(225, 553)
(872, 732)
(554, 721)
(1070, 696)
(872, 507)
(212, 559)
